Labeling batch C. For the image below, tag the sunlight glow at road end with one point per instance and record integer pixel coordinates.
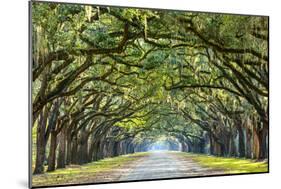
(162, 145)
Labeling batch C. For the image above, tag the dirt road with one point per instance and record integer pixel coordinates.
(166, 164)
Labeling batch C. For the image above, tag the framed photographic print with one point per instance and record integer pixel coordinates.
(121, 94)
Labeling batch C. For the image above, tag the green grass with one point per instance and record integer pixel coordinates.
(230, 165)
(76, 174)
(97, 171)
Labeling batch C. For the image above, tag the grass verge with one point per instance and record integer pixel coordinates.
(91, 172)
(230, 165)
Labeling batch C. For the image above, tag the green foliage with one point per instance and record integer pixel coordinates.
(152, 74)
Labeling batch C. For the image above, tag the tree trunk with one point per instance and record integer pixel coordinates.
(263, 142)
(95, 150)
(52, 153)
(61, 152)
(215, 147)
(91, 150)
(248, 143)
(74, 146)
(259, 141)
(41, 143)
(241, 141)
(232, 148)
(256, 145)
(68, 147)
(83, 148)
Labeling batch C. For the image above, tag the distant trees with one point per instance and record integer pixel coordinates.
(110, 81)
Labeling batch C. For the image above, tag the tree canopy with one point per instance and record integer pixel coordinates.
(109, 81)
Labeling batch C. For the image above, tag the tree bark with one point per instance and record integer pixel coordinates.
(259, 140)
(95, 150)
(241, 141)
(74, 147)
(256, 143)
(232, 148)
(248, 143)
(91, 150)
(52, 154)
(82, 150)
(263, 141)
(41, 143)
(62, 149)
(68, 147)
